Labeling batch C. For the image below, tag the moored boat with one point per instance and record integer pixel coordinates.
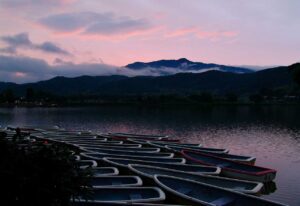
(194, 193)
(193, 169)
(125, 152)
(191, 145)
(102, 141)
(148, 172)
(143, 138)
(100, 156)
(204, 149)
(130, 149)
(124, 195)
(125, 136)
(231, 168)
(95, 145)
(117, 180)
(137, 135)
(86, 163)
(104, 171)
(237, 158)
(114, 204)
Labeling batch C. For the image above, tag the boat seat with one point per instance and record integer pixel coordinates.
(116, 182)
(238, 188)
(184, 190)
(223, 201)
(223, 165)
(135, 196)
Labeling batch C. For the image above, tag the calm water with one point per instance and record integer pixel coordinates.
(270, 133)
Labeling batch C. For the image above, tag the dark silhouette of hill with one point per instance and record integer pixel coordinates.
(185, 65)
(216, 82)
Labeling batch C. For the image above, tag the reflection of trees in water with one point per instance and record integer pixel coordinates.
(269, 188)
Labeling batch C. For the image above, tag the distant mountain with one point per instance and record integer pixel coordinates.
(73, 86)
(64, 85)
(216, 82)
(6, 85)
(168, 67)
(212, 81)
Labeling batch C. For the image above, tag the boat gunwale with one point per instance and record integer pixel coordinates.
(116, 150)
(84, 154)
(115, 171)
(212, 174)
(267, 170)
(110, 160)
(255, 190)
(139, 181)
(130, 149)
(217, 151)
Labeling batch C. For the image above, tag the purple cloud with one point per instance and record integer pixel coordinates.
(21, 69)
(22, 40)
(93, 23)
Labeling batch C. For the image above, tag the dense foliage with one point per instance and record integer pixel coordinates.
(295, 68)
(39, 174)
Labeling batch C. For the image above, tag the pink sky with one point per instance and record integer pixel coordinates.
(118, 32)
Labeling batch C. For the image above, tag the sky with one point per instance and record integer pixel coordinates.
(40, 39)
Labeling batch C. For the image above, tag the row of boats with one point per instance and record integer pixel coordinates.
(131, 169)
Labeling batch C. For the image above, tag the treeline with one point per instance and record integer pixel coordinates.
(31, 97)
(264, 96)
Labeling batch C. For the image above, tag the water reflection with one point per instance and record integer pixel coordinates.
(269, 187)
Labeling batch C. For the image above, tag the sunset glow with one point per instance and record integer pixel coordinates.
(121, 32)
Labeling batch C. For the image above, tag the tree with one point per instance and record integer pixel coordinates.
(256, 98)
(295, 69)
(39, 175)
(231, 97)
(8, 96)
(30, 94)
(204, 97)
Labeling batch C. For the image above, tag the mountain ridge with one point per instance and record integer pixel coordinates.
(216, 82)
(185, 65)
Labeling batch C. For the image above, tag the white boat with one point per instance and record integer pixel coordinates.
(148, 172)
(126, 195)
(86, 163)
(104, 171)
(100, 156)
(117, 180)
(231, 168)
(194, 193)
(200, 149)
(193, 169)
(95, 145)
(189, 145)
(123, 148)
(124, 152)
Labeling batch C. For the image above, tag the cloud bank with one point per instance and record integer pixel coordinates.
(22, 41)
(23, 69)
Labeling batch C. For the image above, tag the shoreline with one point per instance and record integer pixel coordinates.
(190, 105)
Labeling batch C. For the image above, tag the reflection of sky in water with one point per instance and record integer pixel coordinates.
(270, 133)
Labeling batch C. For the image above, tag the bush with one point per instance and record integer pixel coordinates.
(39, 175)
(256, 98)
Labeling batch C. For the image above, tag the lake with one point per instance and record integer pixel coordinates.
(270, 133)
